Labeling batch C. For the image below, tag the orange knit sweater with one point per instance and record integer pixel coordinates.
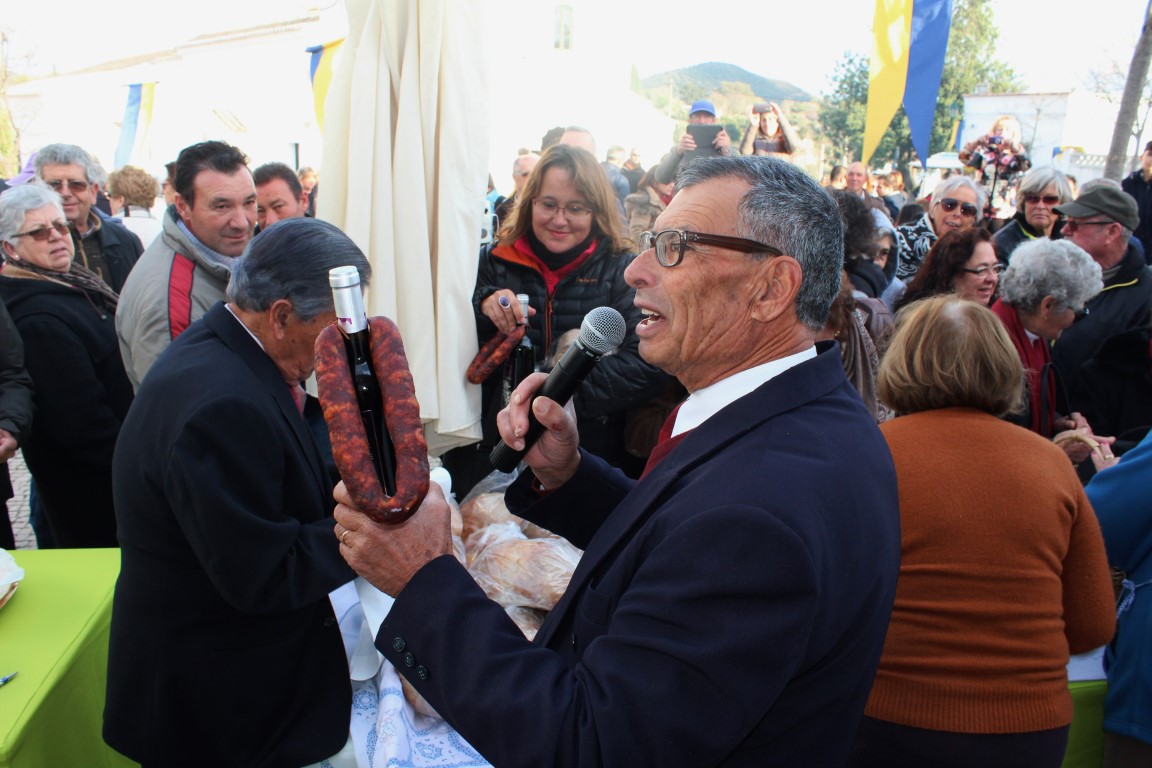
(1002, 574)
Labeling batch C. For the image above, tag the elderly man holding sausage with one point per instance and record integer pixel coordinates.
(731, 605)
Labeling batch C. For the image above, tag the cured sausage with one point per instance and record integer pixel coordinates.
(401, 418)
(493, 354)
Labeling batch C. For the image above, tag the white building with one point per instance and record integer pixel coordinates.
(250, 87)
(1070, 130)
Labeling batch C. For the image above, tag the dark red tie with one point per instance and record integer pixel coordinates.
(665, 442)
(299, 396)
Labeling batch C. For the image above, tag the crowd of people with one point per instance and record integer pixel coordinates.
(848, 493)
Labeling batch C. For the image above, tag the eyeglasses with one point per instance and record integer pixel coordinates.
(40, 234)
(1079, 314)
(950, 204)
(74, 186)
(1048, 200)
(671, 244)
(984, 270)
(1072, 225)
(883, 253)
(571, 211)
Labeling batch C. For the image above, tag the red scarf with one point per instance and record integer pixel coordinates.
(1037, 359)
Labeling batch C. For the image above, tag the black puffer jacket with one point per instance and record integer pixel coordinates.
(82, 396)
(1115, 388)
(1123, 305)
(618, 382)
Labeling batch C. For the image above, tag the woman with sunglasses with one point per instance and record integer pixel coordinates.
(956, 204)
(65, 315)
(1041, 190)
(1041, 294)
(564, 245)
(961, 262)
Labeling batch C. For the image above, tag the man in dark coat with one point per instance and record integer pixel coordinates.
(731, 605)
(224, 649)
(1101, 221)
(1138, 185)
(103, 245)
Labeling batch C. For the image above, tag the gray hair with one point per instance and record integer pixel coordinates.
(786, 209)
(290, 260)
(16, 202)
(1057, 268)
(951, 184)
(66, 154)
(1039, 179)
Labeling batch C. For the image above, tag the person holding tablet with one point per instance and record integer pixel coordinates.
(704, 138)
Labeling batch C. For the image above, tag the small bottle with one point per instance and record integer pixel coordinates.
(522, 360)
(353, 323)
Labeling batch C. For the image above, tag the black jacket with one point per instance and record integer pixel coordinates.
(1018, 231)
(82, 395)
(15, 393)
(121, 249)
(1115, 388)
(1122, 306)
(618, 382)
(1141, 192)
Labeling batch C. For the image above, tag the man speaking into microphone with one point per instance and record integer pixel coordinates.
(731, 605)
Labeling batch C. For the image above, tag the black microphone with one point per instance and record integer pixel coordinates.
(601, 332)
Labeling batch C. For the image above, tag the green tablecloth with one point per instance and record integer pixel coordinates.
(1086, 737)
(54, 631)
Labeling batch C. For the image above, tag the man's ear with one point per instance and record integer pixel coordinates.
(279, 316)
(776, 288)
(184, 208)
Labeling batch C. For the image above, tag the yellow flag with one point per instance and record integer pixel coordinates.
(888, 72)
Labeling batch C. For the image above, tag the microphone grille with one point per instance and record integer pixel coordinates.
(603, 330)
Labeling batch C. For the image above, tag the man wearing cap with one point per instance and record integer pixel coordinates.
(1139, 185)
(1101, 221)
(701, 113)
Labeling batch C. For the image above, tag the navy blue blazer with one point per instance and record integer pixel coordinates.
(224, 647)
(730, 608)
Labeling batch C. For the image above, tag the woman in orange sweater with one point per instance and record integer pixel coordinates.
(1003, 571)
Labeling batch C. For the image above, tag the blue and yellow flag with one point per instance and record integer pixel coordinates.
(320, 73)
(910, 38)
(136, 124)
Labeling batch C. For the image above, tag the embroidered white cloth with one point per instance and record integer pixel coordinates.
(385, 731)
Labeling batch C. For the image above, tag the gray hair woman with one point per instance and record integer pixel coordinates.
(65, 315)
(1041, 190)
(1043, 292)
(956, 204)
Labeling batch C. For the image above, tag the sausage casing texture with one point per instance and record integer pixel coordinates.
(493, 354)
(401, 418)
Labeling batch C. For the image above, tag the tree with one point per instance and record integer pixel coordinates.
(843, 113)
(969, 65)
(1130, 102)
(9, 138)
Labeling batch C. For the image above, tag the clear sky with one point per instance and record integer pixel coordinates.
(1049, 47)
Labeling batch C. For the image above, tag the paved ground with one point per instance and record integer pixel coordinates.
(18, 505)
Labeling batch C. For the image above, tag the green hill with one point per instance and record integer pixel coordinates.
(701, 80)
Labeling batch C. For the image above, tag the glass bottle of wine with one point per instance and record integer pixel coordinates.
(522, 360)
(353, 323)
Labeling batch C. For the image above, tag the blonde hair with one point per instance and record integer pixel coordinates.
(950, 353)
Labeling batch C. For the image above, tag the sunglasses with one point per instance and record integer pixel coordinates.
(1048, 200)
(74, 186)
(950, 204)
(40, 234)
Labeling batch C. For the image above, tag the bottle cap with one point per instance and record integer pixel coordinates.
(343, 277)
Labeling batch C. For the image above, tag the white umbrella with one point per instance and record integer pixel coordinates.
(404, 175)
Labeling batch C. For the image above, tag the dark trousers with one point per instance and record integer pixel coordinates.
(1126, 752)
(881, 744)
